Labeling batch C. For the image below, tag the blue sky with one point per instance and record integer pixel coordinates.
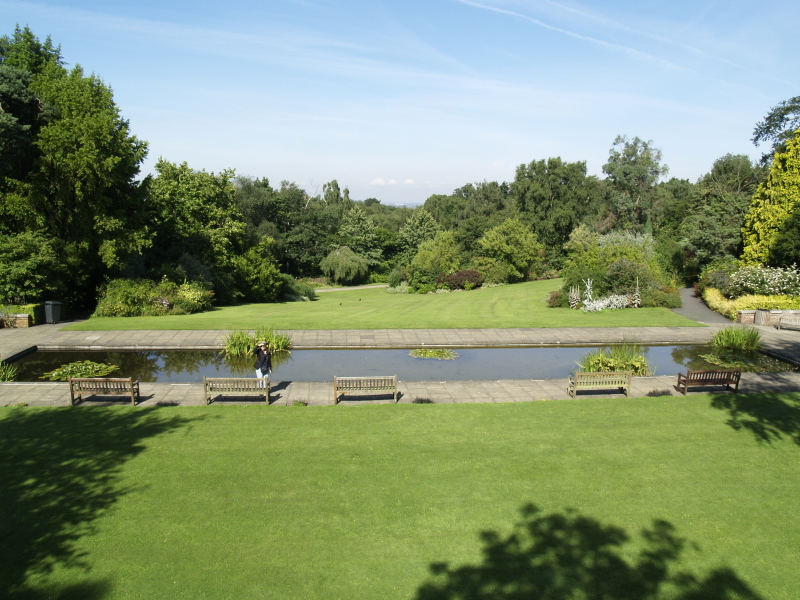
(401, 100)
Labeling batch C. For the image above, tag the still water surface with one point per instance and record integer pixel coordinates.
(182, 366)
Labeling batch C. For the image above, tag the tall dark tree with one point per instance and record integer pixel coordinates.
(778, 127)
(554, 197)
(633, 168)
(70, 164)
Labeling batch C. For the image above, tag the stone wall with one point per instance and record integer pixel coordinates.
(765, 317)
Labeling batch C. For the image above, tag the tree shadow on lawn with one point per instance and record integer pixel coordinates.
(768, 417)
(59, 470)
(568, 556)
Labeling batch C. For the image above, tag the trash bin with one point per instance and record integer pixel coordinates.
(762, 316)
(52, 312)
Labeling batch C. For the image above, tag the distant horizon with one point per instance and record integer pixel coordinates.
(400, 102)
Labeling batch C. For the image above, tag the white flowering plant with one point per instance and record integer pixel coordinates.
(766, 281)
(611, 302)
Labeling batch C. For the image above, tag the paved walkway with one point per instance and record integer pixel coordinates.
(13, 342)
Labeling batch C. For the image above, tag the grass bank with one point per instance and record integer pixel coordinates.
(263, 502)
(520, 305)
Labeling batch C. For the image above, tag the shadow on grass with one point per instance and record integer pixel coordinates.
(568, 556)
(768, 417)
(60, 470)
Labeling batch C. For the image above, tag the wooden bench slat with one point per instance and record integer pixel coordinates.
(694, 378)
(235, 385)
(374, 383)
(103, 386)
(583, 380)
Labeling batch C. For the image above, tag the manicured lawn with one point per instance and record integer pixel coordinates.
(254, 502)
(520, 305)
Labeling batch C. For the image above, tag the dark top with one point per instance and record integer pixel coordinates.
(263, 360)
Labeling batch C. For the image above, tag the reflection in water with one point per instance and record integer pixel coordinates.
(182, 366)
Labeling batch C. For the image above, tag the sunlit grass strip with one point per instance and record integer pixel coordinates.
(437, 353)
(518, 305)
(255, 502)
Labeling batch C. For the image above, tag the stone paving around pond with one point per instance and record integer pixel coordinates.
(785, 344)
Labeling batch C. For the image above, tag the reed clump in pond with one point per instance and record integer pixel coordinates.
(8, 372)
(241, 343)
(622, 357)
(737, 338)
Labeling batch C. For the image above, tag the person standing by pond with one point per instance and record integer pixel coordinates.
(263, 364)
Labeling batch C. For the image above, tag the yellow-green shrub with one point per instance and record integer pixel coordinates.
(716, 301)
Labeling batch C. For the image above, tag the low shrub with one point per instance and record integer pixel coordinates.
(298, 291)
(737, 338)
(717, 274)
(395, 278)
(716, 301)
(764, 281)
(624, 357)
(665, 297)
(146, 298)
(461, 280)
(402, 288)
(425, 289)
(609, 302)
(36, 311)
(557, 299)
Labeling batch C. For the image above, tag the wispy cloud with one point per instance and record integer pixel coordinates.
(632, 52)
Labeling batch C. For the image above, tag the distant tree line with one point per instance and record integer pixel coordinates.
(76, 214)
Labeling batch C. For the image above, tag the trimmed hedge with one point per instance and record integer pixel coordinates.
(36, 311)
(718, 302)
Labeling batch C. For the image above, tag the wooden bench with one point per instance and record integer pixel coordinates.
(727, 378)
(348, 385)
(235, 385)
(103, 386)
(789, 322)
(600, 380)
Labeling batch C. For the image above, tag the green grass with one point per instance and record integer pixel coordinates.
(327, 502)
(520, 305)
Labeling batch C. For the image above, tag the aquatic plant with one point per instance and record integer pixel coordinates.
(622, 357)
(737, 338)
(238, 343)
(8, 372)
(276, 342)
(82, 368)
(437, 353)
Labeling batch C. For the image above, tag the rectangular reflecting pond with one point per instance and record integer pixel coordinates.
(182, 366)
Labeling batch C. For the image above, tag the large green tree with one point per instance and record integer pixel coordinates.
(358, 232)
(554, 196)
(773, 206)
(778, 127)
(198, 229)
(633, 168)
(70, 165)
(420, 227)
(712, 224)
(508, 252)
